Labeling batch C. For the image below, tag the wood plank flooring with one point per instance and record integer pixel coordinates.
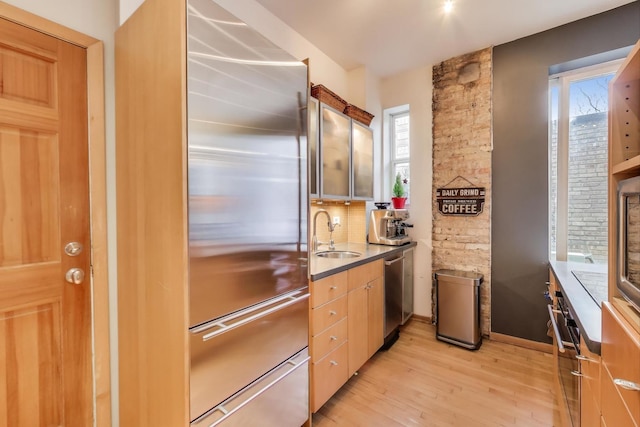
(420, 381)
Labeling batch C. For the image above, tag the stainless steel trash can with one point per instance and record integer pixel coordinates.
(458, 307)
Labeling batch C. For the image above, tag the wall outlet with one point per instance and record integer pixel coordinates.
(336, 220)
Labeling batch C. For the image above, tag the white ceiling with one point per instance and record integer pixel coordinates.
(390, 36)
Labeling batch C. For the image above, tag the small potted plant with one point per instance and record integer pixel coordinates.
(398, 200)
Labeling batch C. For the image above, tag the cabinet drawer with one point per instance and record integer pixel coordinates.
(327, 289)
(328, 314)
(620, 355)
(613, 410)
(329, 339)
(358, 276)
(328, 375)
(590, 369)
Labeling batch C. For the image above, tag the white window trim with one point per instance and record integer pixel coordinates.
(387, 154)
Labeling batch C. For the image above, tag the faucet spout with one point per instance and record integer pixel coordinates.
(314, 240)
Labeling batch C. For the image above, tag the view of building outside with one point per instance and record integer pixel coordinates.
(401, 150)
(587, 170)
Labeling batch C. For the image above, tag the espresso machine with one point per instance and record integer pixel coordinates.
(388, 227)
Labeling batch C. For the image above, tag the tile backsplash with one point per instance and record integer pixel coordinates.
(353, 221)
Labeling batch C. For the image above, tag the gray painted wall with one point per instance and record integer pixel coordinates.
(520, 131)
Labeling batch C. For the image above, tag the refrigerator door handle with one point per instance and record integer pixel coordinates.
(288, 367)
(226, 327)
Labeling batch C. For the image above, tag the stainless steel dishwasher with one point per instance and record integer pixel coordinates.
(398, 293)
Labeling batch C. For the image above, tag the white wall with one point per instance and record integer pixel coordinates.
(414, 88)
(98, 19)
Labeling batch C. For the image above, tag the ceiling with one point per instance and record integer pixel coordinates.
(391, 36)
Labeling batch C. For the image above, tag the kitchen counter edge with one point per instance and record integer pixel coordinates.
(588, 313)
(323, 267)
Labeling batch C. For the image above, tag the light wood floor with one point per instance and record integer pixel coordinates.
(424, 382)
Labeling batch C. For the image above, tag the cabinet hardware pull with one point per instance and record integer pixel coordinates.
(626, 384)
(333, 288)
(393, 261)
(584, 358)
(556, 332)
(332, 313)
(289, 299)
(334, 338)
(237, 403)
(577, 374)
(334, 363)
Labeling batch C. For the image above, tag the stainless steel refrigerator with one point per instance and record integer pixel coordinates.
(248, 214)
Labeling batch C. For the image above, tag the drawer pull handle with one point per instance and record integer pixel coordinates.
(334, 338)
(627, 385)
(333, 288)
(556, 332)
(332, 313)
(577, 374)
(258, 312)
(584, 358)
(334, 363)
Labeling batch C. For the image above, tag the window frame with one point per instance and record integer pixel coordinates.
(563, 82)
(394, 160)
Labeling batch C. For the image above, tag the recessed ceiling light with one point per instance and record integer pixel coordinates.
(448, 6)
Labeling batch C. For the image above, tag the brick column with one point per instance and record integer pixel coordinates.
(462, 144)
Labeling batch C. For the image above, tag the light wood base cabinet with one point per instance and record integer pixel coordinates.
(620, 322)
(328, 338)
(620, 361)
(347, 315)
(365, 322)
(366, 313)
(589, 387)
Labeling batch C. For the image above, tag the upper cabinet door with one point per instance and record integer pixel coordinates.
(313, 134)
(362, 152)
(335, 131)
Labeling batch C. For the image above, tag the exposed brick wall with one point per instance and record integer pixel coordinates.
(462, 143)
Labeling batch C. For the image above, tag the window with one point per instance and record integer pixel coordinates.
(400, 148)
(578, 164)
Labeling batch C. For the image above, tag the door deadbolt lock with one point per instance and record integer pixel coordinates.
(75, 276)
(73, 248)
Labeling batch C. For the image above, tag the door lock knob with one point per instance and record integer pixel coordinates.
(75, 276)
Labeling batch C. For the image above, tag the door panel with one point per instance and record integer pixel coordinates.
(30, 220)
(30, 343)
(45, 341)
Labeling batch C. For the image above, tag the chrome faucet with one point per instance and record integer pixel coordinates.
(314, 241)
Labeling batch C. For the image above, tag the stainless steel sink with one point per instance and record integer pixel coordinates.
(338, 254)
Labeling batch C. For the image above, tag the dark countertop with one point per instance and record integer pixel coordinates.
(323, 267)
(587, 311)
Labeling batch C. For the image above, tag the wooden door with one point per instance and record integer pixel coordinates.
(45, 322)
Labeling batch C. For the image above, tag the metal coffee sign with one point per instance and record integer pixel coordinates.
(460, 201)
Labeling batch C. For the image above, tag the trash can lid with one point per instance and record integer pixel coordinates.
(468, 275)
